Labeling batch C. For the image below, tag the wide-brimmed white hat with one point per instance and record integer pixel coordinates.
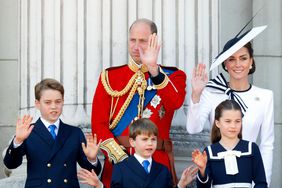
(235, 44)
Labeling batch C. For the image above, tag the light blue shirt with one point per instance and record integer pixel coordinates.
(141, 159)
(47, 124)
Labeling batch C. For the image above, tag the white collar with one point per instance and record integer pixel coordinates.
(141, 159)
(47, 124)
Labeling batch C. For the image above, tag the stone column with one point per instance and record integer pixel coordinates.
(8, 73)
(56, 41)
(73, 40)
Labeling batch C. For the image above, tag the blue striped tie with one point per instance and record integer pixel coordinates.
(52, 131)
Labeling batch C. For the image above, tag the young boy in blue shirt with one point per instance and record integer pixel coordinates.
(52, 148)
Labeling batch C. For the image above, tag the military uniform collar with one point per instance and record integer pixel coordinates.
(135, 66)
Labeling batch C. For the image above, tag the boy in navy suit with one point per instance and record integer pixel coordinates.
(133, 171)
(52, 148)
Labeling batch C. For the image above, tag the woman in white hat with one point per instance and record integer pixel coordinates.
(256, 103)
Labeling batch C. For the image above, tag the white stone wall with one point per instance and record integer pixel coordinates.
(73, 40)
(9, 95)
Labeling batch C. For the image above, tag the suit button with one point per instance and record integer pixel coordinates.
(49, 181)
(10, 151)
(49, 165)
(65, 181)
(65, 165)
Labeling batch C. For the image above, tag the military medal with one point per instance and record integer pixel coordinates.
(147, 113)
(162, 112)
(155, 101)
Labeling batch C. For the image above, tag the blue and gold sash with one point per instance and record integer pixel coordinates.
(132, 110)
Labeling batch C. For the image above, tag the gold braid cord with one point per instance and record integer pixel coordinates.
(114, 93)
(137, 82)
(164, 83)
(123, 108)
(115, 152)
(142, 85)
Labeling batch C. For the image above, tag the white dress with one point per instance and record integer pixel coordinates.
(258, 118)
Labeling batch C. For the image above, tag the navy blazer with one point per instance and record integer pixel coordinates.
(130, 173)
(51, 163)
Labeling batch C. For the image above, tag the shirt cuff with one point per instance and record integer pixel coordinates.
(194, 104)
(15, 145)
(203, 179)
(94, 163)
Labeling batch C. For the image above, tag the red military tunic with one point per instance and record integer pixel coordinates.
(169, 96)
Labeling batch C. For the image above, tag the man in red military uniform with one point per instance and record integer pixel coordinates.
(141, 88)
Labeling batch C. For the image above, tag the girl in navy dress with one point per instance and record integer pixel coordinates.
(229, 161)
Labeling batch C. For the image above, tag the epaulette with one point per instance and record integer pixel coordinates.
(169, 68)
(116, 67)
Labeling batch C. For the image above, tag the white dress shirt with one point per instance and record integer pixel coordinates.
(141, 159)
